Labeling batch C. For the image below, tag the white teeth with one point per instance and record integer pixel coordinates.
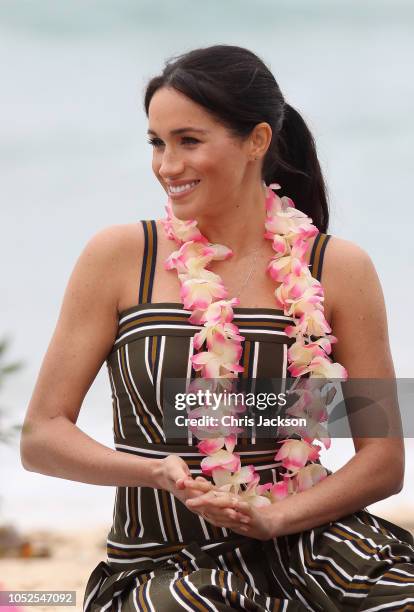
(180, 188)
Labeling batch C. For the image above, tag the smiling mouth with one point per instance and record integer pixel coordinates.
(179, 189)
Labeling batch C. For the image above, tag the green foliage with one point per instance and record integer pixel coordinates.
(7, 434)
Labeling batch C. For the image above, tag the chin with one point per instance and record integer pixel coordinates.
(185, 212)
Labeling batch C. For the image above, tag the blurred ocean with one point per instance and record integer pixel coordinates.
(74, 158)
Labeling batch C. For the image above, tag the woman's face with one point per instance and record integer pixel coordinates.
(196, 154)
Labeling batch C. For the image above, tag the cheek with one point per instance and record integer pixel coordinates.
(156, 164)
(231, 157)
(217, 161)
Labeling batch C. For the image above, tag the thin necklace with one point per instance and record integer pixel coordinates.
(239, 292)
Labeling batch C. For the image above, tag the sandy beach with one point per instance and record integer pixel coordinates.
(73, 556)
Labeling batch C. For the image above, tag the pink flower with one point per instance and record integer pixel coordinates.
(279, 268)
(305, 303)
(182, 231)
(280, 244)
(284, 218)
(320, 367)
(226, 354)
(251, 494)
(220, 311)
(189, 252)
(301, 355)
(310, 475)
(223, 478)
(198, 293)
(296, 453)
(209, 447)
(312, 407)
(211, 334)
(274, 491)
(309, 324)
(220, 252)
(221, 459)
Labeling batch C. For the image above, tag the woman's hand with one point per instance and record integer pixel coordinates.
(228, 510)
(217, 507)
(265, 522)
(174, 471)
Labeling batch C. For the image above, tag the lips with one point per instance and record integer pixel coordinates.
(182, 187)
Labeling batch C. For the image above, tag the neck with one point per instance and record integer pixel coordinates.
(240, 226)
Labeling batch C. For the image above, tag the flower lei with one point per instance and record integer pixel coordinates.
(300, 296)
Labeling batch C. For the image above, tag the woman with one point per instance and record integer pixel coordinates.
(222, 133)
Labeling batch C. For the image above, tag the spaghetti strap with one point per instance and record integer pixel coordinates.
(150, 258)
(317, 254)
(148, 262)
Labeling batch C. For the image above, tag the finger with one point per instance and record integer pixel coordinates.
(222, 509)
(227, 519)
(243, 507)
(210, 501)
(235, 516)
(243, 529)
(242, 518)
(197, 503)
(217, 519)
(223, 500)
(198, 484)
(213, 499)
(194, 493)
(184, 478)
(211, 520)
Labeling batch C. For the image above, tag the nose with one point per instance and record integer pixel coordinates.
(171, 164)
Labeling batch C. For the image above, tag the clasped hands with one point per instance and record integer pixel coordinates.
(224, 509)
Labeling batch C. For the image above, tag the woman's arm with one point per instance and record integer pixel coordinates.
(359, 322)
(51, 443)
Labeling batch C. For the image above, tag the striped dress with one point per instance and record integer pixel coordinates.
(162, 556)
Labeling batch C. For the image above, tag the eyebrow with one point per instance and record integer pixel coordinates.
(181, 130)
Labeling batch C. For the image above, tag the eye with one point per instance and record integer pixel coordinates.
(190, 140)
(155, 142)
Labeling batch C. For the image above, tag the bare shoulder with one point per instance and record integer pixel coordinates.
(340, 251)
(349, 277)
(346, 261)
(116, 252)
(115, 242)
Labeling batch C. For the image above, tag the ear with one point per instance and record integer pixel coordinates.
(260, 139)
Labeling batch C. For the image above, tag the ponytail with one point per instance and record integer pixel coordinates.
(292, 162)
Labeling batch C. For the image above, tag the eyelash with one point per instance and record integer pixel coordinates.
(157, 142)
